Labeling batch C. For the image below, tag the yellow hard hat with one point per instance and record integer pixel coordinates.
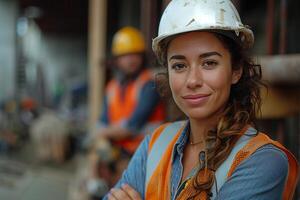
(128, 40)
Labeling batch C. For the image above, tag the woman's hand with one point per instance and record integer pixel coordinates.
(124, 193)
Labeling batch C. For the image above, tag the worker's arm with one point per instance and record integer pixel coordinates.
(114, 132)
(106, 130)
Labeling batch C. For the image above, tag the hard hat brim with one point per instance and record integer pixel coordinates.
(244, 36)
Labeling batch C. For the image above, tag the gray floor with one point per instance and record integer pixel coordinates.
(22, 178)
(20, 182)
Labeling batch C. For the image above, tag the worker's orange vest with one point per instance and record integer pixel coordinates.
(159, 163)
(121, 107)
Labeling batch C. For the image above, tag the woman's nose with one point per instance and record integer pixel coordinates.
(194, 78)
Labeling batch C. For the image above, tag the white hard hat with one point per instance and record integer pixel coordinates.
(182, 16)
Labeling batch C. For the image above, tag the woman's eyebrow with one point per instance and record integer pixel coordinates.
(208, 54)
(204, 55)
(177, 57)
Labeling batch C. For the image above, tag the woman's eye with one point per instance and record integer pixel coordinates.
(210, 64)
(178, 67)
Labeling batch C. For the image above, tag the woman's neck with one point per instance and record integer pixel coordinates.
(199, 130)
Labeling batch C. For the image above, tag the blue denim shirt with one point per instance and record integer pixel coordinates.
(261, 177)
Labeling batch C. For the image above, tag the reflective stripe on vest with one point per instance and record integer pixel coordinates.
(245, 146)
(158, 173)
(160, 146)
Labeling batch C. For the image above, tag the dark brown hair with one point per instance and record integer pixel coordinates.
(242, 107)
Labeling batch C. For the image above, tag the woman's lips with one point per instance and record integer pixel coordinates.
(196, 99)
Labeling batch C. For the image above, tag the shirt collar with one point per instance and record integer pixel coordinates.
(182, 140)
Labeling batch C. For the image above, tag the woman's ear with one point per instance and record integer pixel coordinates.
(236, 75)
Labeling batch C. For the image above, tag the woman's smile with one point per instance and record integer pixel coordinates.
(195, 99)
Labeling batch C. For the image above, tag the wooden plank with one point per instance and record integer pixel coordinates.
(281, 69)
(96, 56)
(280, 102)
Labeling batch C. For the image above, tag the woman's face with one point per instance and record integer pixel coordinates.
(200, 74)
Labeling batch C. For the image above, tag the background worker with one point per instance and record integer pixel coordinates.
(131, 109)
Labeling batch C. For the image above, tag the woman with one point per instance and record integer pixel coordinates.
(217, 153)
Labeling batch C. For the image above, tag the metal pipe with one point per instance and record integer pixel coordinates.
(270, 26)
(149, 19)
(283, 26)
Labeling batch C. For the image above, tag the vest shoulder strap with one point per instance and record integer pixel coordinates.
(158, 145)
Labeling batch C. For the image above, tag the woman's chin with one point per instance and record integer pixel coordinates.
(197, 115)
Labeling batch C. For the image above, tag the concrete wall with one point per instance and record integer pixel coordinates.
(8, 15)
(54, 62)
(64, 60)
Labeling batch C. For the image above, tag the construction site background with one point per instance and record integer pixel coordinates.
(55, 62)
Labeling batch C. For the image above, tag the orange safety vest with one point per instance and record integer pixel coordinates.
(121, 107)
(159, 162)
